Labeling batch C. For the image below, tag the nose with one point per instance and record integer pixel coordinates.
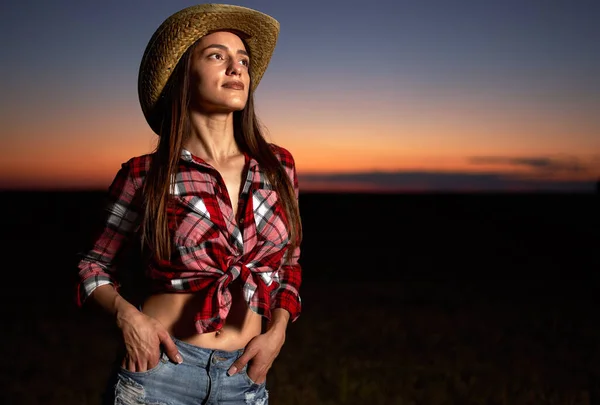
(234, 68)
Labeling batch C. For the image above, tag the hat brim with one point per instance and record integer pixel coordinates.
(182, 29)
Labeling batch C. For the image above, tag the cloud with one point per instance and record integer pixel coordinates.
(538, 164)
(422, 181)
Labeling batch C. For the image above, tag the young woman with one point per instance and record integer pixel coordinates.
(215, 209)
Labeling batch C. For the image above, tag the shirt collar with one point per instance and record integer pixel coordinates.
(188, 157)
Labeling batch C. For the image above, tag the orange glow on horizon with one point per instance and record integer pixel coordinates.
(87, 151)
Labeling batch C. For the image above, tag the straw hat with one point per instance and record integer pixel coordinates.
(179, 31)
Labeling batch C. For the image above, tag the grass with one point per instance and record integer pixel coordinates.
(392, 349)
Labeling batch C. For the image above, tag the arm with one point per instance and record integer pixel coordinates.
(286, 297)
(96, 268)
(98, 283)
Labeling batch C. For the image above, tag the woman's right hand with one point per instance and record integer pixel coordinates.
(143, 336)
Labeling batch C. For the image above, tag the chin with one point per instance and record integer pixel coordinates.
(223, 108)
(235, 106)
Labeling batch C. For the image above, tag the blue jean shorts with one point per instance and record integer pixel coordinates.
(201, 379)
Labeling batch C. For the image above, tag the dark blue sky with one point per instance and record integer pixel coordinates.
(381, 85)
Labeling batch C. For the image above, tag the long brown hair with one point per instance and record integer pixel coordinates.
(174, 127)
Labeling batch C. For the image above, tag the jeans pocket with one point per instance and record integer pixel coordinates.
(249, 380)
(161, 362)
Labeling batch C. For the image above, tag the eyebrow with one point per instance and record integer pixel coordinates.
(223, 47)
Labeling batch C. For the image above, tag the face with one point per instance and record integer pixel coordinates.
(219, 75)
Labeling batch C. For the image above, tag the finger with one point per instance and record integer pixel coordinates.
(148, 363)
(140, 365)
(130, 364)
(241, 362)
(170, 347)
(256, 373)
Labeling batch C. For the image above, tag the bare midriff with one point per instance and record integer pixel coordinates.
(176, 312)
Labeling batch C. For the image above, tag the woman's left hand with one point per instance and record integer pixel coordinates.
(261, 351)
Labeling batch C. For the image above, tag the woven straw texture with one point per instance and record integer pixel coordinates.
(178, 32)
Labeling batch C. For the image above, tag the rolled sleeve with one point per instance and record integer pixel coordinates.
(96, 267)
(287, 295)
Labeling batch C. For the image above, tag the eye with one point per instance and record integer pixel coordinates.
(217, 56)
(245, 62)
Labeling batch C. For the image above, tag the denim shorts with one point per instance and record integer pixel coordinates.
(201, 379)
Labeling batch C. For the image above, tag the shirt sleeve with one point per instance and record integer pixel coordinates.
(122, 210)
(289, 274)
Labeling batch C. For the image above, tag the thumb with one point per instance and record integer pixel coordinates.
(240, 363)
(170, 347)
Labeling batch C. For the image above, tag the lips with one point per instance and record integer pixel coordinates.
(234, 85)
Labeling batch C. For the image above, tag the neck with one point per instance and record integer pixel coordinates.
(211, 137)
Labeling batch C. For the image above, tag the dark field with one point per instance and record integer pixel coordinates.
(408, 299)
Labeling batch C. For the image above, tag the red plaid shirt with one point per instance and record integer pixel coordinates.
(210, 248)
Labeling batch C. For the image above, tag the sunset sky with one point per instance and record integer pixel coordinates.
(384, 95)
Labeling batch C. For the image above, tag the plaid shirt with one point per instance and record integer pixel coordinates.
(210, 248)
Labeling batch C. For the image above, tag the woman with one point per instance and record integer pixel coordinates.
(215, 208)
